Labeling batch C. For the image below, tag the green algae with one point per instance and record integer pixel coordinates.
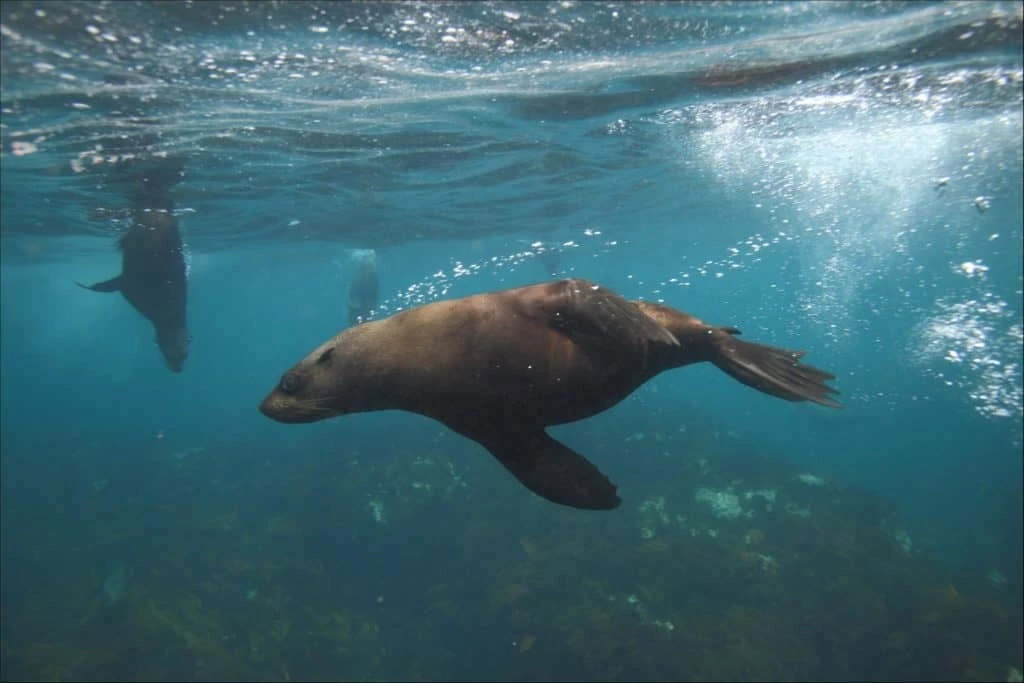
(229, 590)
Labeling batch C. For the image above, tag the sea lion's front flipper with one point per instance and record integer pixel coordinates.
(553, 470)
(595, 315)
(111, 285)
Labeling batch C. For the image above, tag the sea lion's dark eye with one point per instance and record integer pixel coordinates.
(289, 383)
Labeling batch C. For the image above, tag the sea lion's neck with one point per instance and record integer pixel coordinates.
(365, 385)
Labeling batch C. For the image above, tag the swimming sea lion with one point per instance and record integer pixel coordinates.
(152, 275)
(551, 260)
(500, 367)
(364, 290)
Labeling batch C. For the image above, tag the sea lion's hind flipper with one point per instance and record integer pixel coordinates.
(595, 315)
(111, 285)
(552, 470)
(772, 370)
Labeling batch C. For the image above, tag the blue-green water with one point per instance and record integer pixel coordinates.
(843, 178)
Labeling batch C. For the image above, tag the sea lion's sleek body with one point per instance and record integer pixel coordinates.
(501, 367)
(152, 277)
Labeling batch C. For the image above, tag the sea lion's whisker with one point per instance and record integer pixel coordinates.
(318, 402)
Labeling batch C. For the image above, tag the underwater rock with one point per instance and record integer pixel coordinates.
(115, 585)
(723, 504)
(810, 479)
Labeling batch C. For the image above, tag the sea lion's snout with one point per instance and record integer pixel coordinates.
(269, 406)
(175, 348)
(286, 403)
(280, 407)
(285, 409)
(175, 358)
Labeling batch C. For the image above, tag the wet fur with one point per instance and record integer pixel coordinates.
(501, 367)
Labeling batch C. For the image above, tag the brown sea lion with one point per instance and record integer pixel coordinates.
(500, 367)
(152, 277)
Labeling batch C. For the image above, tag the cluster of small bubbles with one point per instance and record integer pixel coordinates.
(745, 253)
(19, 148)
(96, 156)
(440, 283)
(973, 269)
(967, 335)
(851, 201)
(617, 127)
(842, 195)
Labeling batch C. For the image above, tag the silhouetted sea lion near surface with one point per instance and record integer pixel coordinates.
(152, 275)
(551, 260)
(500, 367)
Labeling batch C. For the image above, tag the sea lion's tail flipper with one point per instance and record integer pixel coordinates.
(111, 285)
(552, 470)
(772, 370)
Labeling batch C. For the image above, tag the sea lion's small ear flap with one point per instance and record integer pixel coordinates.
(326, 355)
(554, 471)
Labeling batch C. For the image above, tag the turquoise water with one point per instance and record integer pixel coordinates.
(842, 178)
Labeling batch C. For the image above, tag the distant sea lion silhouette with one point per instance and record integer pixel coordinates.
(551, 260)
(152, 275)
(364, 290)
(500, 367)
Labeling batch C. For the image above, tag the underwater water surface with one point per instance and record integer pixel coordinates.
(841, 178)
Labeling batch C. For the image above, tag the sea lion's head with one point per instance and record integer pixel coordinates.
(310, 390)
(174, 345)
